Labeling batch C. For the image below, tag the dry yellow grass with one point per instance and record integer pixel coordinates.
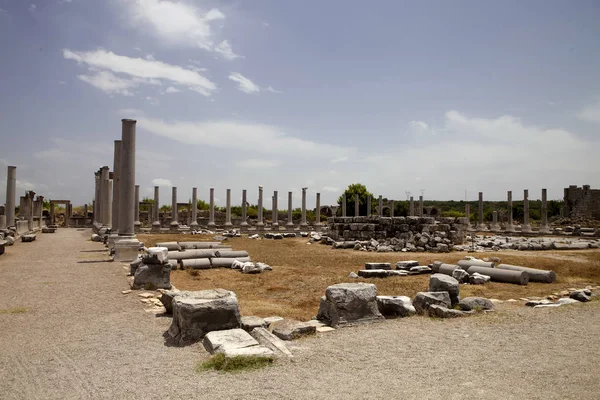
(302, 272)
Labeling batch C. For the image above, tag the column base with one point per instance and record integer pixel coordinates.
(481, 227)
(510, 228)
(526, 228)
(126, 249)
(495, 227)
(174, 226)
(228, 224)
(275, 227)
(544, 229)
(112, 239)
(194, 224)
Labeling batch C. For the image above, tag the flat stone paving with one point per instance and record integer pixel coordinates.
(82, 339)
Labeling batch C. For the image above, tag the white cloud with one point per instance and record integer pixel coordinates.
(150, 57)
(339, 159)
(109, 83)
(161, 182)
(172, 89)
(265, 24)
(3, 11)
(250, 137)
(138, 70)
(153, 100)
(32, 7)
(257, 163)
(272, 90)
(244, 84)
(331, 189)
(418, 125)
(590, 113)
(224, 48)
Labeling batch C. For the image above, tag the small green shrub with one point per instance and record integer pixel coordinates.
(234, 364)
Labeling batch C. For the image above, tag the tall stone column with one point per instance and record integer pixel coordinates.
(136, 210)
(380, 206)
(116, 188)
(369, 206)
(510, 227)
(275, 211)
(228, 209)
(11, 191)
(290, 222)
(411, 208)
(344, 205)
(318, 210)
(30, 195)
(544, 227)
(244, 210)
(156, 209)
(526, 227)
(468, 215)
(421, 206)
(2, 222)
(480, 225)
(52, 206)
(211, 209)
(356, 205)
(259, 222)
(174, 211)
(85, 212)
(495, 227)
(105, 201)
(303, 223)
(96, 219)
(194, 223)
(127, 247)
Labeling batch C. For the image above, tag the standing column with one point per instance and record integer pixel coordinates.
(480, 225)
(526, 227)
(85, 212)
(544, 227)
(510, 227)
(275, 212)
(11, 190)
(344, 205)
(211, 210)
(260, 222)
(392, 205)
(468, 215)
(52, 212)
(356, 205)
(96, 219)
(228, 209)
(420, 206)
(156, 209)
(368, 206)
(303, 223)
(116, 188)
(29, 200)
(244, 211)
(194, 223)
(105, 199)
(290, 222)
(318, 211)
(495, 227)
(380, 206)
(411, 209)
(136, 208)
(108, 217)
(174, 212)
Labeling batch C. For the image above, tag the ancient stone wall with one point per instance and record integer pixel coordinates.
(582, 202)
(405, 228)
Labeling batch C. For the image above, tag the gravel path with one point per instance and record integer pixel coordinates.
(82, 339)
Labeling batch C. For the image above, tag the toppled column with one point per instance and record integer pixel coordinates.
(480, 225)
(344, 205)
(303, 223)
(411, 208)
(116, 189)
(174, 211)
(544, 227)
(420, 206)
(260, 222)
(510, 227)
(127, 247)
(194, 223)
(318, 210)
(380, 206)
(228, 208)
(244, 210)
(274, 213)
(156, 209)
(356, 205)
(11, 190)
(136, 209)
(526, 227)
(290, 222)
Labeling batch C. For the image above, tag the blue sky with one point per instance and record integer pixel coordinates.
(401, 96)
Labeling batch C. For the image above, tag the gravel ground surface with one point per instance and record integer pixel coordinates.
(80, 338)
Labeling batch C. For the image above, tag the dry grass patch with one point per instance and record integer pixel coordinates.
(302, 272)
(14, 310)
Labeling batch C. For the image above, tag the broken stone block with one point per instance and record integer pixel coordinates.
(478, 279)
(207, 311)
(423, 269)
(46, 229)
(249, 323)
(395, 306)
(289, 329)
(475, 303)
(9, 240)
(27, 238)
(270, 341)
(438, 311)
(373, 273)
(156, 255)
(580, 295)
(152, 277)
(349, 304)
(378, 266)
(460, 275)
(215, 341)
(567, 300)
(423, 300)
(445, 283)
(270, 320)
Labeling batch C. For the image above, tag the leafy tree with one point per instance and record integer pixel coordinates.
(202, 205)
(363, 195)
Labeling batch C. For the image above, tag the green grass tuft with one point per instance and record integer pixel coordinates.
(15, 310)
(234, 364)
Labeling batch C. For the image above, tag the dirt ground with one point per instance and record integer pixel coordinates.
(302, 272)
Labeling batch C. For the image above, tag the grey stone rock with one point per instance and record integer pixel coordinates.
(251, 322)
(423, 300)
(156, 256)
(475, 303)
(152, 277)
(209, 310)
(27, 238)
(216, 341)
(2, 246)
(9, 240)
(478, 279)
(579, 295)
(134, 265)
(96, 238)
(348, 304)
(445, 283)
(567, 300)
(352, 275)
(374, 273)
(270, 341)
(533, 303)
(443, 248)
(438, 311)
(373, 265)
(289, 329)
(270, 320)
(421, 269)
(395, 306)
(460, 275)
(551, 305)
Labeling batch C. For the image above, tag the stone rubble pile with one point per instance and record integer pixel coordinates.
(483, 243)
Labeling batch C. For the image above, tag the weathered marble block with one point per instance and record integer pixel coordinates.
(348, 304)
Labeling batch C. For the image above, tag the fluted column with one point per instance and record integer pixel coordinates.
(211, 210)
(526, 227)
(344, 205)
(544, 227)
(174, 211)
(11, 191)
(96, 204)
(108, 217)
(116, 188)
(510, 227)
(411, 208)
(318, 211)
(290, 222)
(356, 205)
(303, 221)
(228, 209)
(244, 210)
(136, 208)
(194, 223)
(260, 222)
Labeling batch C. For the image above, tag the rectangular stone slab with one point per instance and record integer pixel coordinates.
(267, 339)
(232, 338)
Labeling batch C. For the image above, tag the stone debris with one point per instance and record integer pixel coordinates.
(96, 238)
(46, 229)
(289, 329)
(249, 323)
(28, 238)
(380, 273)
(423, 300)
(445, 283)
(234, 342)
(2, 246)
(374, 265)
(146, 295)
(352, 275)
(270, 320)
(406, 265)
(478, 279)
(439, 311)
(461, 275)
(580, 295)
(395, 306)
(485, 243)
(475, 303)
(270, 341)
(348, 304)
(126, 291)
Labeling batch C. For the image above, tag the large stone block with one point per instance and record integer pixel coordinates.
(209, 310)
(395, 306)
(289, 329)
(445, 283)
(423, 300)
(153, 276)
(348, 304)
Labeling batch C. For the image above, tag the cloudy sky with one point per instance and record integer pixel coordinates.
(445, 97)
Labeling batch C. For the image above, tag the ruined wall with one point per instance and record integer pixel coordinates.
(405, 228)
(582, 202)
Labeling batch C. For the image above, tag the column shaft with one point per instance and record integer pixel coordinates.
(116, 187)
(174, 211)
(11, 191)
(318, 210)
(136, 208)
(127, 179)
(274, 211)
(260, 207)
(211, 211)
(156, 208)
(244, 210)
(290, 222)
(228, 209)
(194, 222)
